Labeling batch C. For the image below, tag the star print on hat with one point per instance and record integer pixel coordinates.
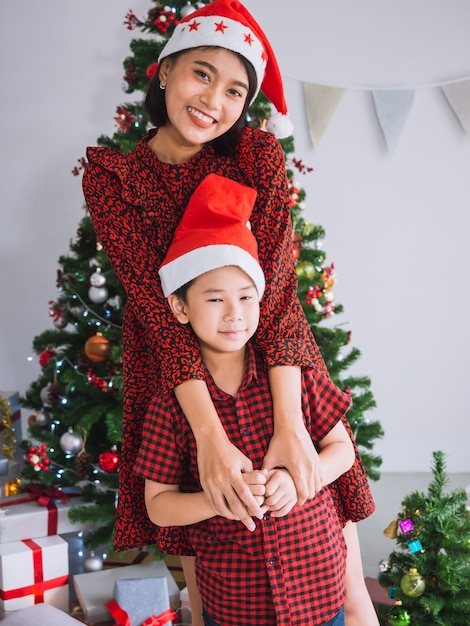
(214, 232)
(228, 24)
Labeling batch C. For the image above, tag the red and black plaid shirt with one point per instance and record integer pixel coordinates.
(290, 571)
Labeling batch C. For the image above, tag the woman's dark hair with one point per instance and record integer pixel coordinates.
(155, 106)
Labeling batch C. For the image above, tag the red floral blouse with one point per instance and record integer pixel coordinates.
(135, 203)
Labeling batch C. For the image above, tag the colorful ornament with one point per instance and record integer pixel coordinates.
(37, 457)
(391, 532)
(71, 442)
(406, 526)
(384, 565)
(46, 356)
(413, 584)
(415, 545)
(398, 616)
(295, 252)
(12, 488)
(97, 348)
(93, 563)
(109, 461)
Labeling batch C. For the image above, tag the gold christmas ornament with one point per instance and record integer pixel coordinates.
(97, 348)
(412, 584)
(392, 530)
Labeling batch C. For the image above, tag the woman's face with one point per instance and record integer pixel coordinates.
(206, 91)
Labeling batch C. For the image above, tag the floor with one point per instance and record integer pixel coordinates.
(388, 493)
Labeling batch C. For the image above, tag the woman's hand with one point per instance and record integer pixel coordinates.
(221, 468)
(292, 447)
(280, 496)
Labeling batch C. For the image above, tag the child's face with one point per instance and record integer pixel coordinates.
(206, 90)
(222, 307)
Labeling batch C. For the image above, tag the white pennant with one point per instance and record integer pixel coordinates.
(458, 97)
(321, 103)
(393, 107)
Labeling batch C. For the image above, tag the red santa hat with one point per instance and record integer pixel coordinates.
(214, 232)
(228, 24)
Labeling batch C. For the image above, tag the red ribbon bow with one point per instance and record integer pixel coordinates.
(122, 618)
(44, 495)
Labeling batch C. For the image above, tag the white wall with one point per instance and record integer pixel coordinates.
(396, 225)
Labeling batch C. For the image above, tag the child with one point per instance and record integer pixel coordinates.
(290, 569)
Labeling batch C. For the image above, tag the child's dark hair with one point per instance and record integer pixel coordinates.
(182, 292)
(155, 106)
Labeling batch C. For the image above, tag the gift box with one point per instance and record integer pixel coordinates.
(37, 514)
(185, 607)
(128, 557)
(95, 589)
(136, 600)
(33, 571)
(14, 418)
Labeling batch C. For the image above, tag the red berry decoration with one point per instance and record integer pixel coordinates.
(109, 461)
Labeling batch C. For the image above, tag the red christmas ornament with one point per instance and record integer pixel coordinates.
(46, 356)
(295, 252)
(109, 461)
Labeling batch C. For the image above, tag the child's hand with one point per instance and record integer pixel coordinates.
(280, 493)
(256, 481)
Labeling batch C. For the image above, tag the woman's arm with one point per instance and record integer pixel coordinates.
(284, 336)
(220, 463)
(135, 245)
(291, 445)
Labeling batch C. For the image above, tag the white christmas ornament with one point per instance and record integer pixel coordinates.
(71, 442)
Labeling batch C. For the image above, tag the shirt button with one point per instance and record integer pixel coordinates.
(247, 431)
(267, 517)
(272, 561)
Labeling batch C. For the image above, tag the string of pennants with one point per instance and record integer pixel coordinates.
(392, 107)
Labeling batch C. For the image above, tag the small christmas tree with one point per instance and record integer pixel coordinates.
(428, 573)
(75, 429)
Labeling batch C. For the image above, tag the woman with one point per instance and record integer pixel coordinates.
(209, 72)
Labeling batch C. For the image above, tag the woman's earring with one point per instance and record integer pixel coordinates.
(162, 84)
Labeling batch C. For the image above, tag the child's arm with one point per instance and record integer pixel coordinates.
(336, 457)
(168, 506)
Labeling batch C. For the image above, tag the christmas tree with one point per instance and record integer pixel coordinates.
(428, 573)
(75, 427)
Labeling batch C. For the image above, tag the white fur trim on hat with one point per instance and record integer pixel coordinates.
(223, 32)
(192, 264)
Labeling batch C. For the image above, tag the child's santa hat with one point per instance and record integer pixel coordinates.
(228, 24)
(214, 232)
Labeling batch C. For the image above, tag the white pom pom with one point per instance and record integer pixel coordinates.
(280, 126)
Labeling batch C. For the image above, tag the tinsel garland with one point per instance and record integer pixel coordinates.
(9, 439)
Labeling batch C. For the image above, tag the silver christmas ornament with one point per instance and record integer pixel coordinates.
(71, 442)
(93, 563)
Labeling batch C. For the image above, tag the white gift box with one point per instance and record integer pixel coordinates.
(27, 520)
(94, 589)
(34, 571)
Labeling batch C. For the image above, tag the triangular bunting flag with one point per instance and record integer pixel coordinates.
(321, 103)
(393, 107)
(458, 96)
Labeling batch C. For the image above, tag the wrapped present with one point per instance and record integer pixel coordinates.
(3, 465)
(173, 563)
(185, 607)
(41, 512)
(138, 601)
(128, 557)
(95, 589)
(10, 426)
(33, 571)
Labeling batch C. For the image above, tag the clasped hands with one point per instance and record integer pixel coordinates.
(290, 475)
